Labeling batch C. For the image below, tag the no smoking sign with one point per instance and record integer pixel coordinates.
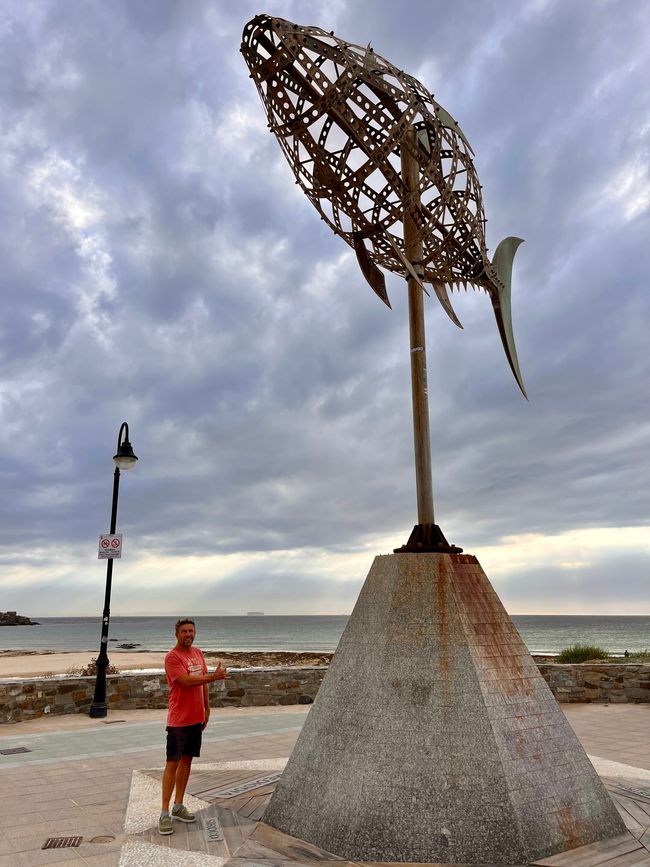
(110, 546)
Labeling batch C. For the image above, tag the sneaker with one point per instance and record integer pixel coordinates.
(181, 812)
(165, 824)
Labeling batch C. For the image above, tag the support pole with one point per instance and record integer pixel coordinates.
(413, 251)
(99, 708)
(426, 535)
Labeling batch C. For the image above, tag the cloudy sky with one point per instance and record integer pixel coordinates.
(159, 266)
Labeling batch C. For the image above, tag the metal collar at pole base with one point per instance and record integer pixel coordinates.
(426, 538)
(98, 711)
(99, 707)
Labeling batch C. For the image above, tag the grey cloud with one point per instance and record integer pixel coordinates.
(278, 591)
(612, 581)
(198, 296)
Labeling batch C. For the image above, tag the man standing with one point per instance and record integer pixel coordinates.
(189, 712)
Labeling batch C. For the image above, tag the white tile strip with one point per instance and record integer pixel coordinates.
(250, 765)
(607, 768)
(137, 853)
(143, 809)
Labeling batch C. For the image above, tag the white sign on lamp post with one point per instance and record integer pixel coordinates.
(110, 546)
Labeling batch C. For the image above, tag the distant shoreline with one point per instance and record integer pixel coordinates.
(97, 617)
(140, 636)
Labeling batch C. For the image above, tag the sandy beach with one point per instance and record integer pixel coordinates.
(39, 663)
(16, 663)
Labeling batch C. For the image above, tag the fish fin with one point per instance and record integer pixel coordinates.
(441, 291)
(370, 271)
(502, 271)
(447, 120)
(423, 139)
(408, 265)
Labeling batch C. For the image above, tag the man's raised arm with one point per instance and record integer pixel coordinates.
(200, 679)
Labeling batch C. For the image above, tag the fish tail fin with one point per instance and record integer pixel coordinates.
(502, 271)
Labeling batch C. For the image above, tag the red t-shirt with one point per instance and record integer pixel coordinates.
(186, 707)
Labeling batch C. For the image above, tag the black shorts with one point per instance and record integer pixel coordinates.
(183, 741)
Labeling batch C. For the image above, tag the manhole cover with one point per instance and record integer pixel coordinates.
(110, 722)
(61, 842)
(102, 838)
(14, 751)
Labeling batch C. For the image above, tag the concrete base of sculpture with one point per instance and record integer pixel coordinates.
(434, 737)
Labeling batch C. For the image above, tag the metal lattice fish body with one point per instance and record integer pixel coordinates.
(340, 113)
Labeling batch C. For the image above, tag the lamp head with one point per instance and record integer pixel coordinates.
(124, 457)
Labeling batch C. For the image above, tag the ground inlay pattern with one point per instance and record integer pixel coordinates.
(247, 841)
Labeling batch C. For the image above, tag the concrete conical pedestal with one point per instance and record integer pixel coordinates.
(434, 737)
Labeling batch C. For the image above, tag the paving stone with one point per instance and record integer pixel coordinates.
(611, 728)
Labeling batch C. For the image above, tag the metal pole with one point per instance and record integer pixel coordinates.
(98, 709)
(413, 251)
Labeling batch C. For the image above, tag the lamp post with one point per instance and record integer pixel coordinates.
(124, 460)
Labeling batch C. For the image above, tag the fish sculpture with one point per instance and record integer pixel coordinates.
(340, 113)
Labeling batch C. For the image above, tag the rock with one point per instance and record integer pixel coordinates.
(636, 693)
(10, 618)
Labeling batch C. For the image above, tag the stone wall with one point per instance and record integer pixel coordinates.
(28, 699)
(609, 682)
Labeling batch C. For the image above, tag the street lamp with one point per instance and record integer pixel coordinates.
(124, 460)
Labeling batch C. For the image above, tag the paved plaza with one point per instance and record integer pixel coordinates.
(87, 778)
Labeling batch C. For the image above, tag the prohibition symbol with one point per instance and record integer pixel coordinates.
(110, 546)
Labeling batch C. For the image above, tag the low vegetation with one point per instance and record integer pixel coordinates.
(593, 653)
(582, 653)
(90, 670)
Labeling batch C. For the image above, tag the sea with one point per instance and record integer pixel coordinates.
(543, 634)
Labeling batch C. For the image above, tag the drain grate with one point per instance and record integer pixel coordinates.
(110, 722)
(14, 751)
(247, 786)
(61, 842)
